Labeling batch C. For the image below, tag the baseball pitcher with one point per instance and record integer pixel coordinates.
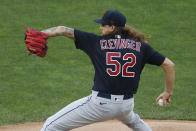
(118, 56)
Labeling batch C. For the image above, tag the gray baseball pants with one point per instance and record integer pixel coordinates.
(93, 109)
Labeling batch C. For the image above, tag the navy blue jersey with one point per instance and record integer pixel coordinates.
(118, 61)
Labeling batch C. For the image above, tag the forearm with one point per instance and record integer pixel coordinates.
(169, 80)
(169, 72)
(60, 31)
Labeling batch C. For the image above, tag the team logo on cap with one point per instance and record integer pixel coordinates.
(111, 22)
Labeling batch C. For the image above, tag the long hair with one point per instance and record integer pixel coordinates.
(130, 32)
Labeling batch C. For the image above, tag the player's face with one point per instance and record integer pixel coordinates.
(106, 29)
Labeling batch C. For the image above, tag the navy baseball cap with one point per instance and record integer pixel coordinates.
(112, 17)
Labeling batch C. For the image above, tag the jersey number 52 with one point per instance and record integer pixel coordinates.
(117, 64)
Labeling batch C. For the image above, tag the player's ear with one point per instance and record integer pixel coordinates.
(113, 28)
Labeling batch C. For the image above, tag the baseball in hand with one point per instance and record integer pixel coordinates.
(160, 102)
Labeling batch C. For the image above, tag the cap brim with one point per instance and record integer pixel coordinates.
(100, 21)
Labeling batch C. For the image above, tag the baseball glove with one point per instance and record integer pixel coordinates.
(36, 42)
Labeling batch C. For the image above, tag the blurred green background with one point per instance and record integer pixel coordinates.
(33, 88)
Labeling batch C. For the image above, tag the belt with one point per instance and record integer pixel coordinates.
(108, 96)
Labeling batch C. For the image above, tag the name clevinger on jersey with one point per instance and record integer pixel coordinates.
(120, 43)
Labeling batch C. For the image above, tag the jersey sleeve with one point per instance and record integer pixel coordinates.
(85, 41)
(153, 56)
